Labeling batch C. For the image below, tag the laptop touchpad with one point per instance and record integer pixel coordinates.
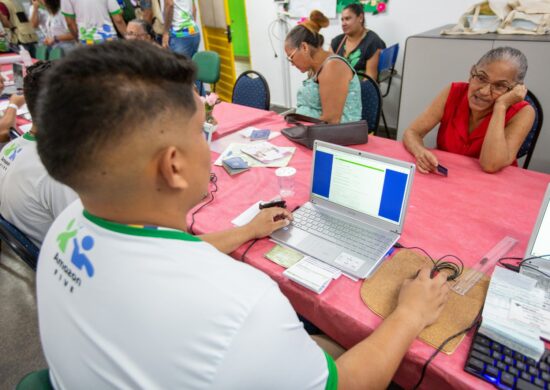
(319, 248)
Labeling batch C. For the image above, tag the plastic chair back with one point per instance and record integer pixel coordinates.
(251, 89)
(37, 380)
(372, 101)
(21, 245)
(388, 58)
(56, 54)
(41, 52)
(208, 66)
(528, 146)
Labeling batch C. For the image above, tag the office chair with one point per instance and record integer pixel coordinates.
(21, 245)
(251, 89)
(528, 146)
(386, 71)
(208, 68)
(371, 99)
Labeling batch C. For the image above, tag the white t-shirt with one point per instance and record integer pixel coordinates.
(140, 307)
(183, 21)
(93, 18)
(30, 199)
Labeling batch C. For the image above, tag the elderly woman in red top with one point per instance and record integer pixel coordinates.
(486, 118)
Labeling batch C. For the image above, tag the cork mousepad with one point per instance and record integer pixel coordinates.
(380, 293)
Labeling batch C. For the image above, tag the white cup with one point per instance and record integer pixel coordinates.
(285, 178)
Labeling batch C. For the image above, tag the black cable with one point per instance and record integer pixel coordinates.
(247, 249)
(456, 268)
(213, 180)
(518, 266)
(441, 346)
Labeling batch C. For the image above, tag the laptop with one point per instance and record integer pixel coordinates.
(356, 209)
(539, 243)
(17, 85)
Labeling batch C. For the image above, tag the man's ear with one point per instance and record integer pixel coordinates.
(172, 168)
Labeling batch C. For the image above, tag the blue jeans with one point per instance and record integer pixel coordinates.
(187, 46)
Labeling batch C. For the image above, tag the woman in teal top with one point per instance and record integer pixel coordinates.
(332, 91)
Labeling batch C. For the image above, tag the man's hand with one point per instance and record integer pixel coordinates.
(165, 39)
(423, 298)
(269, 220)
(18, 100)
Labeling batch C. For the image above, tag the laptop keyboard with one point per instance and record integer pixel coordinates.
(352, 237)
(505, 368)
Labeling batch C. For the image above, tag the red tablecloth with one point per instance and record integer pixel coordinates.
(465, 214)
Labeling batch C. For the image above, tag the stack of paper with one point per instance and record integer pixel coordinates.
(236, 150)
(265, 152)
(312, 274)
(514, 313)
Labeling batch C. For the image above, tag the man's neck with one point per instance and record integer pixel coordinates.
(138, 214)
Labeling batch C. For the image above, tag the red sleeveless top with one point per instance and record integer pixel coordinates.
(453, 133)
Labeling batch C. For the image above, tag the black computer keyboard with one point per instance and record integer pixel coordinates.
(505, 368)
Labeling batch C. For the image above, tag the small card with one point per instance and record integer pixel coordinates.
(235, 163)
(442, 170)
(261, 134)
(284, 256)
(308, 275)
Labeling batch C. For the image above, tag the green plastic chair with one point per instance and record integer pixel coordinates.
(208, 66)
(41, 52)
(36, 380)
(56, 54)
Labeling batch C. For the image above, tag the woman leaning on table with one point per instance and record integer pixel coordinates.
(486, 118)
(332, 91)
(359, 45)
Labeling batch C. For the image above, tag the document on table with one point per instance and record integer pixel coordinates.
(512, 306)
(234, 150)
(312, 274)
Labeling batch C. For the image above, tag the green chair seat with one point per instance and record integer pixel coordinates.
(37, 380)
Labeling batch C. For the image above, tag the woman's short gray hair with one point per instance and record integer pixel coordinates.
(508, 54)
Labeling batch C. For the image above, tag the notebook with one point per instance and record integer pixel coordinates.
(356, 209)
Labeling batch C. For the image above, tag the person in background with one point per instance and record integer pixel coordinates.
(141, 30)
(486, 118)
(38, 15)
(181, 33)
(146, 10)
(120, 280)
(14, 18)
(332, 91)
(55, 28)
(358, 44)
(93, 21)
(29, 198)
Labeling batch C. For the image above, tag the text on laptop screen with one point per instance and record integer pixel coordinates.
(541, 246)
(369, 186)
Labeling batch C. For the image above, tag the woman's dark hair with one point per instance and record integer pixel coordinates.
(53, 6)
(145, 26)
(308, 31)
(357, 9)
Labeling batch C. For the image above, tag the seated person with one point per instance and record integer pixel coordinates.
(140, 29)
(485, 118)
(29, 198)
(332, 91)
(155, 306)
(359, 45)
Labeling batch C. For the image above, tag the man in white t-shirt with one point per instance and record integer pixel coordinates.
(29, 198)
(93, 21)
(126, 297)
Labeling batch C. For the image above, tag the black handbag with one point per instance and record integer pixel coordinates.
(351, 133)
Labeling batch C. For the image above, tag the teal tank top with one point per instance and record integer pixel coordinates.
(309, 99)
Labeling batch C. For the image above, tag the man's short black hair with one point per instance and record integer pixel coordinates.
(101, 93)
(32, 83)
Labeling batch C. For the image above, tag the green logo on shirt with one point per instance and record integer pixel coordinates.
(64, 237)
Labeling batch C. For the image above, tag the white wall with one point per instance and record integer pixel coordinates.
(402, 19)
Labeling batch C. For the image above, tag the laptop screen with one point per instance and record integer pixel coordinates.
(360, 183)
(541, 242)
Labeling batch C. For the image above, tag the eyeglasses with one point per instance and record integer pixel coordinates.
(498, 88)
(291, 56)
(132, 35)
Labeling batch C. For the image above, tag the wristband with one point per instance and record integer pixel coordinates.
(13, 105)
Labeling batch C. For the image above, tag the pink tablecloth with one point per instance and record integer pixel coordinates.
(465, 214)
